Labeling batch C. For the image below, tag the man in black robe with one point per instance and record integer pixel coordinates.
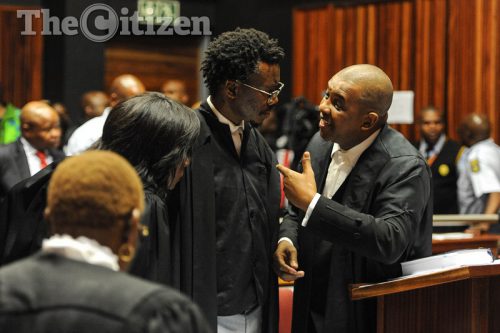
(371, 211)
(228, 201)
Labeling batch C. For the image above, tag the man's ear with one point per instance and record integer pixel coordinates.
(25, 127)
(231, 89)
(369, 121)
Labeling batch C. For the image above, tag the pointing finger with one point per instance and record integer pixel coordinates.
(306, 163)
(283, 169)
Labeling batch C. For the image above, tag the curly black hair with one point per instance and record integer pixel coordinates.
(234, 55)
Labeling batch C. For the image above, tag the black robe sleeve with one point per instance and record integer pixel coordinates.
(153, 257)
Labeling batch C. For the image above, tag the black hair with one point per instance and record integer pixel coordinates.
(154, 133)
(234, 55)
(432, 108)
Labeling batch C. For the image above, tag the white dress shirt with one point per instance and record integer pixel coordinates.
(87, 134)
(343, 161)
(34, 162)
(236, 130)
(435, 150)
(478, 175)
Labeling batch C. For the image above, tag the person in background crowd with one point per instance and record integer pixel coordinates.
(94, 103)
(442, 156)
(479, 168)
(67, 127)
(10, 121)
(122, 87)
(94, 203)
(228, 202)
(37, 147)
(176, 90)
(363, 205)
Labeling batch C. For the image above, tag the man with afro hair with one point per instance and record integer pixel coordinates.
(228, 201)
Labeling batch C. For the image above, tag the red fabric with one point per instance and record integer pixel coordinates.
(286, 304)
(43, 158)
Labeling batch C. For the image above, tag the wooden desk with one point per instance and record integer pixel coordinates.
(486, 241)
(464, 299)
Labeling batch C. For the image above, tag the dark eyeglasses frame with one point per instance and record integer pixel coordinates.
(272, 95)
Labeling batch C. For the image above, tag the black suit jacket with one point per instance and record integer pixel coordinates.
(50, 293)
(444, 178)
(22, 226)
(384, 217)
(14, 165)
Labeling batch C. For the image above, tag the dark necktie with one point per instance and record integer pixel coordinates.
(43, 158)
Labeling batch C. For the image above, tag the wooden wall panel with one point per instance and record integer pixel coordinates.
(153, 63)
(21, 58)
(429, 66)
(473, 78)
(309, 61)
(446, 51)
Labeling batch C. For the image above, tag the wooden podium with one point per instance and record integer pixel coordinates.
(465, 299)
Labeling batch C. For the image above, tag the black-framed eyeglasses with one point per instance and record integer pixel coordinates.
(273, 95)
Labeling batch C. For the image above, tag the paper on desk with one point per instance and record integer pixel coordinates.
(452, 235)
(446, 260)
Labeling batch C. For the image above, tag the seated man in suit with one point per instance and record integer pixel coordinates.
(363, 206)
(73, 284)
(40, 136)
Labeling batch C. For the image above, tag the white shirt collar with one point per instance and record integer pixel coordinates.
(232, 127)
(105, 113)
(352, 155)
(437, 147)
(28, 148)
(81, 249)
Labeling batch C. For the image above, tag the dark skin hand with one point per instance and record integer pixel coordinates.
(285, 262)
(300, 189)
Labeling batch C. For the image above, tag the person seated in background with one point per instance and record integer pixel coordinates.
(441, 154)
(94, 103)
(37, 147)
(122, 87)
(176, 90)
(94, 203)
(479, 168)
(156, 135)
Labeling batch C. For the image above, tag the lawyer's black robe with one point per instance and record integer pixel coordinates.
(49, 293)
(153, 260)
(195, 231)
(384, 217)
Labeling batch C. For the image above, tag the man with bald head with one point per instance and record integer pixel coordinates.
(122, 87)
(176, 90)
(479, 168)
(40, 136)
(361, 206)
(94, 103)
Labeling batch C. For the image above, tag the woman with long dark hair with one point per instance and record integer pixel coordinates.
(155, 134)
